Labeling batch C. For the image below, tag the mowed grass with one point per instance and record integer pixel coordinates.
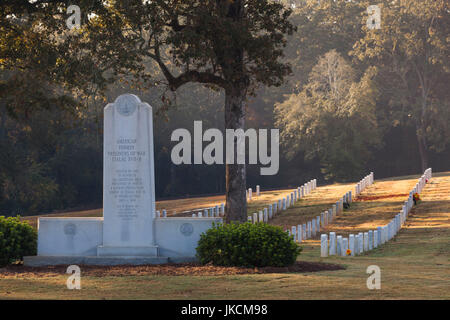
(414, 265)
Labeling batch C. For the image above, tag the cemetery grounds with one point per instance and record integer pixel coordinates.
(414, 265)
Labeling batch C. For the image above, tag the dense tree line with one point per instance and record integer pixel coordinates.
(357, 100)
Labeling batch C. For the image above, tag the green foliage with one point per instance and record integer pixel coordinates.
(46, 164)
(17, 239)
(249, 245)
(333, 119)
(412, 53)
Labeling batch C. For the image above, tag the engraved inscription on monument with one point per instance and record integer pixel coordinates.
(127, 185)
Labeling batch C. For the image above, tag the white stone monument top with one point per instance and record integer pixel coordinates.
(128, 178)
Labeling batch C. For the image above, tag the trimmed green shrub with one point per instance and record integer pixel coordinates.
(247, 245)
(17, 239)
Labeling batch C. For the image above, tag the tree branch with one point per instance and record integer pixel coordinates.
(188, 76)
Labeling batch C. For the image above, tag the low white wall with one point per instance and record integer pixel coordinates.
(175, 237)
(178, 237)
(69, 236)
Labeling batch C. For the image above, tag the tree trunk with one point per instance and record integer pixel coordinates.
(236, 201)
(422, 147)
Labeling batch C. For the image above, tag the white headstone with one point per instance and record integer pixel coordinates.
(344, 246)
(379, 242)
(351, 244)
(361, 242)
(366, 241)
(323, 245)
(339, 246)
(375, 239)
(332, 243)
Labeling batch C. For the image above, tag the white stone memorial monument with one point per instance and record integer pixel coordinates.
(130, 231)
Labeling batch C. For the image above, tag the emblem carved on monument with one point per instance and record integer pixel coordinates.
(70, 229)
(187, 229)
(126, 105)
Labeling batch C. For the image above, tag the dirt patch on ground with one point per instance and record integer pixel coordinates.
(191, 269)
(385, 196)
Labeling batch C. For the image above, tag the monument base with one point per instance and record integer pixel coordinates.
(40, 261)
(107, 251)
(65, 241)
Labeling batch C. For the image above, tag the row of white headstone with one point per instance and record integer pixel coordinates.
(307, 230)
(216, 211)
(249, 193)
(297, 194)
(366, 241)
(311, 228)
(264, 215)
(364, 183)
